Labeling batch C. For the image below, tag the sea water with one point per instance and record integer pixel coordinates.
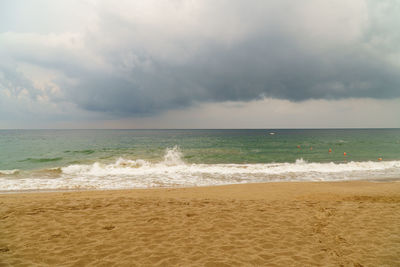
(116, 159)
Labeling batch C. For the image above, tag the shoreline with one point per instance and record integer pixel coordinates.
(314, 186)
(40, 191)
(275, 224)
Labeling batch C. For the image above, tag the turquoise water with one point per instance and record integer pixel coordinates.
(37, 155)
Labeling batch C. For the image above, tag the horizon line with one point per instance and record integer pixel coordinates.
(285, 128)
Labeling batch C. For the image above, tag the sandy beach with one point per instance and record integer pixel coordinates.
(271, 224)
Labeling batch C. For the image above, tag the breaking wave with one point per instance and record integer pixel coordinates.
(172, 171)
(9, 172)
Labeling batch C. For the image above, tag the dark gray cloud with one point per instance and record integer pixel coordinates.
(254, 69)
(134, 64)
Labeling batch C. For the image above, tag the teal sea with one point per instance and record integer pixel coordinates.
(111, 159)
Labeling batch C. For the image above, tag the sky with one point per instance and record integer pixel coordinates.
(199, 64)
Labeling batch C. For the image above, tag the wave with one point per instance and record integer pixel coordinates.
(41, 160)
(86, 151)
(141, 167)
(172, 171)
(9, 172)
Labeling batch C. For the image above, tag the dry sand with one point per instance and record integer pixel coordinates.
(273, 224)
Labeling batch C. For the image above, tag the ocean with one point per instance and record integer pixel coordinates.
(48, 160)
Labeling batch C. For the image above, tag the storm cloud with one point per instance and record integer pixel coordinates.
(145, 57)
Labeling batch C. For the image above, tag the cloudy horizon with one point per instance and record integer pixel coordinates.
(199, 64)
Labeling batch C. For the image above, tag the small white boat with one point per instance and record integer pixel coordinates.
(271, 133)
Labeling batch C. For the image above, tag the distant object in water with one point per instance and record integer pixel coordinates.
(380, 159)
(330, 150)
(271, 133)
(344, 154)
(310, 147)
(298, 146)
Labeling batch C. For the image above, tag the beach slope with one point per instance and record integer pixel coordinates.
(273, 224)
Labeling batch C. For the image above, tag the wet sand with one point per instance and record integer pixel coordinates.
(272, 224)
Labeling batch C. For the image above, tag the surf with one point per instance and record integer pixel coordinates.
(173, 171)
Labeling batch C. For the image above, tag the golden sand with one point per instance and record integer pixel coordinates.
(272, 224)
